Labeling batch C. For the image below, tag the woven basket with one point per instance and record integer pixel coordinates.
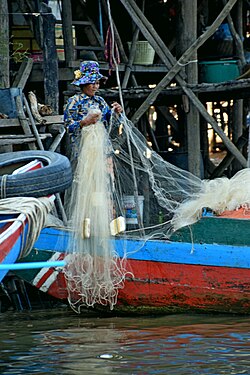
(144, 53)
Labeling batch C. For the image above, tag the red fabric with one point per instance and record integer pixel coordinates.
(108, 51)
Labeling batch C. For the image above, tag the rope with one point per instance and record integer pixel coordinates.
(3, 186)
(136, 194)
(35, 211)
(187, 63)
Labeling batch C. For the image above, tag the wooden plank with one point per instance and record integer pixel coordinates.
(9, 123)
(33, 125)
(54, 119)
(15, 122)
(24, 136)
(90, 48)
(24, 122)
(83, 23)
(23, 73)
(20, 139)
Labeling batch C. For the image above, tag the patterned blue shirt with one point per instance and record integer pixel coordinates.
(76, 109)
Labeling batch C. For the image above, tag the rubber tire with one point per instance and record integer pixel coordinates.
(54, 177)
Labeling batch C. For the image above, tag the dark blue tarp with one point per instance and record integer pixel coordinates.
(8, 102)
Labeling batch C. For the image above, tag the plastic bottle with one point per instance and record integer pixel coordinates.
(160, 217)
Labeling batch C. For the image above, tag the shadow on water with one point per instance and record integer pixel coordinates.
(61, 342)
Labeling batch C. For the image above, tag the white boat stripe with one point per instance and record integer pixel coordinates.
(44, 270)
(49, 281)
(13, 228)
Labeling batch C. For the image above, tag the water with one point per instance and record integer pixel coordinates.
(61, 342)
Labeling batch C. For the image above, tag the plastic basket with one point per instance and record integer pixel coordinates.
(144, 53)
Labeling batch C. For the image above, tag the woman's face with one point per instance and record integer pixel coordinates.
(91, 88)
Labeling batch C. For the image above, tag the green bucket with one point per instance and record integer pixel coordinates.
(218, 71)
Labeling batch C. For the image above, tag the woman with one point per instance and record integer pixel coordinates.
(78, 112)
(92, 272)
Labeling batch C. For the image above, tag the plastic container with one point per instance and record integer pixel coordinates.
(144, 53)
(218, 71)
(129, 207)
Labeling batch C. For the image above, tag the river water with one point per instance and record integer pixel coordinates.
(61, 342)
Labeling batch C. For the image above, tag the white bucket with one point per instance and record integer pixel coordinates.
(130, 208)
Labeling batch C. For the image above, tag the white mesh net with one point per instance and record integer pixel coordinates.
(120, 181)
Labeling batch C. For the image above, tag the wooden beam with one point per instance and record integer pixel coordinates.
(132, 53)
(23, 73)
(67, 31)
(218, 171)
(185, 37)
(50, 60)
(237, 39)
(118, 40)
(169, 117)
(159, 46)
(24, 122)
(5, 42)
(15, 123)
(33, 125)
(11, 139)
(164, 53)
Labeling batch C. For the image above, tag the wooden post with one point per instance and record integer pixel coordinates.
(67, 31)
(187, 22)
(166, 56)
(50, 61)
(4, 45)
(238, 110)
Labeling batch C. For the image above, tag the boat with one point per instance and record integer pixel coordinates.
(200, 267)
(13, 230)
(18, 170)
(204, 267)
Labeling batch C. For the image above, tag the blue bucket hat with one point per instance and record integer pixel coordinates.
(88, 73)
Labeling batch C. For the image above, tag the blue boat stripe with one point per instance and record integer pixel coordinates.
(187, 253)
(163, 251)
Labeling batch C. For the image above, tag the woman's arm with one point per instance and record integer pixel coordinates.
(73, 114)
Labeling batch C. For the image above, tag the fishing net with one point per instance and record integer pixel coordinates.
(123, 190)
(95, 272)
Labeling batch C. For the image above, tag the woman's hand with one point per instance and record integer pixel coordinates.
(90, 119)
(117, 107)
